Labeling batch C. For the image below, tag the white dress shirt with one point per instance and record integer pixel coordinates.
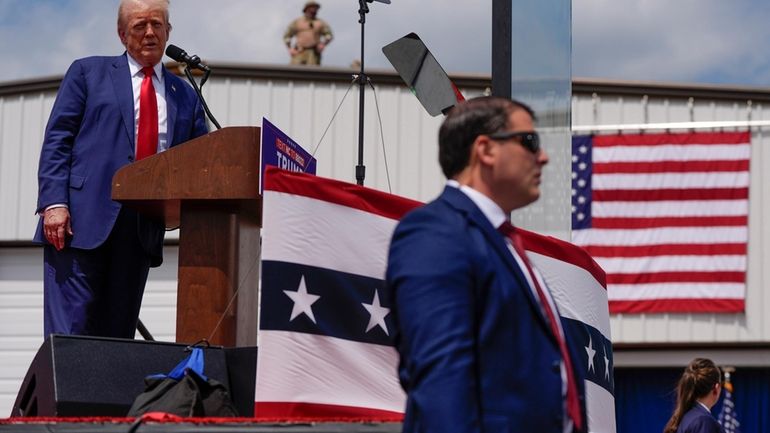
(160, 93)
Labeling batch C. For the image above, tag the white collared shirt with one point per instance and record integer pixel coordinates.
(497, 217)
(160, 93)
(704, 406)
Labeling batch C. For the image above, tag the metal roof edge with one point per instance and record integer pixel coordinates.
(580, 85)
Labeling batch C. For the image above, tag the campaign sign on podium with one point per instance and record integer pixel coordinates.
(279, 150)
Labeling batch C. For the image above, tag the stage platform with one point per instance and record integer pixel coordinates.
(190, 425)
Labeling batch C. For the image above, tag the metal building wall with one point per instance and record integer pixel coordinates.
(22, 118)
(304, 111)
(302, 103)
(303, 108)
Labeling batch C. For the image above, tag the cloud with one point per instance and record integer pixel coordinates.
(230, 30)
(248, 31)
(689, 40)
(682, 40)
(42, 38)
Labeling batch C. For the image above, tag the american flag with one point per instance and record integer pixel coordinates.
(728, 419)
(325, 348)
(666, 216)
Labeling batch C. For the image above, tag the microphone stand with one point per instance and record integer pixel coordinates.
(363, 80)
(360, 168)
(190, 78)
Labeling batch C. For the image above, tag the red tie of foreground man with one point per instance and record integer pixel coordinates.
(573, 404)
(147, 135)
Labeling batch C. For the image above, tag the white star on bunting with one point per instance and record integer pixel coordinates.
(376, 314)
(591, 352)
(302, 301)
(606, 363)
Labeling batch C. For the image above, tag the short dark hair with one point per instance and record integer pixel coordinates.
(466, 121)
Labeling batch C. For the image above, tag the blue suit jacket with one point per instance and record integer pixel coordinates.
(90, 135)
(698, 420)
(476, 353)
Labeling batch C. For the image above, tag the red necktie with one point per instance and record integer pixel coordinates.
(573, 404)
(147, 134)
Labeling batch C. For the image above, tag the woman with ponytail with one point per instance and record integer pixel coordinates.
(696, 393)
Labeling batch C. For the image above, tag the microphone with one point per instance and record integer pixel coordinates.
(180, 55)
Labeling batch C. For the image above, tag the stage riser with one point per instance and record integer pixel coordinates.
(203, 428)
(88, 376)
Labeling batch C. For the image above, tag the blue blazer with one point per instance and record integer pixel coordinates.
(90, 135)
(476, 353)
(698, 420)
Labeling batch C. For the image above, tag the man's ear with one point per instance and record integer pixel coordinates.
(484, 150)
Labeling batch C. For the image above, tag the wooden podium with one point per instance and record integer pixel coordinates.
(209, 188)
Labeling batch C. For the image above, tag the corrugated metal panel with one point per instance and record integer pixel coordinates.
(598, 109)
(21, 318)
(10, 169)
(22, 122)
(304, 108)
(21, 312)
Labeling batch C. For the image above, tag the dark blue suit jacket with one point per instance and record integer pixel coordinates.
(698, 420)
(90, 135)
(476, 353)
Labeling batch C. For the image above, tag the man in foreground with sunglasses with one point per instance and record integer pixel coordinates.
(481, 343)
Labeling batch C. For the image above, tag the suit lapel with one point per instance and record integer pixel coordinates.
(171, 105)
(124, 94)
(462, 203)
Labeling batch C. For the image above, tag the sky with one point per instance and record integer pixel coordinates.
(688, 41)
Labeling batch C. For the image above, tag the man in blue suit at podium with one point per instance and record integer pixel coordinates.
(109, 112)
(481, 342)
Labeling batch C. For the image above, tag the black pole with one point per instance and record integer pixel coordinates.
(501, 48)
(360, 168)
(143, 331)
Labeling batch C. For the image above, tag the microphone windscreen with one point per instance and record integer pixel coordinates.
(175, 53)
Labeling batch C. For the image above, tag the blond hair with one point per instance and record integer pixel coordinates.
(128, 5)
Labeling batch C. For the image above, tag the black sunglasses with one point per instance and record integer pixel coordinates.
(530, 140)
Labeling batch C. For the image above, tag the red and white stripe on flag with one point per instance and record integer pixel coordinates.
(329, 367)
(666, 216)
(577, 284)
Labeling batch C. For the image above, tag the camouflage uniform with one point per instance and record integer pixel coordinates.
(310, 36)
